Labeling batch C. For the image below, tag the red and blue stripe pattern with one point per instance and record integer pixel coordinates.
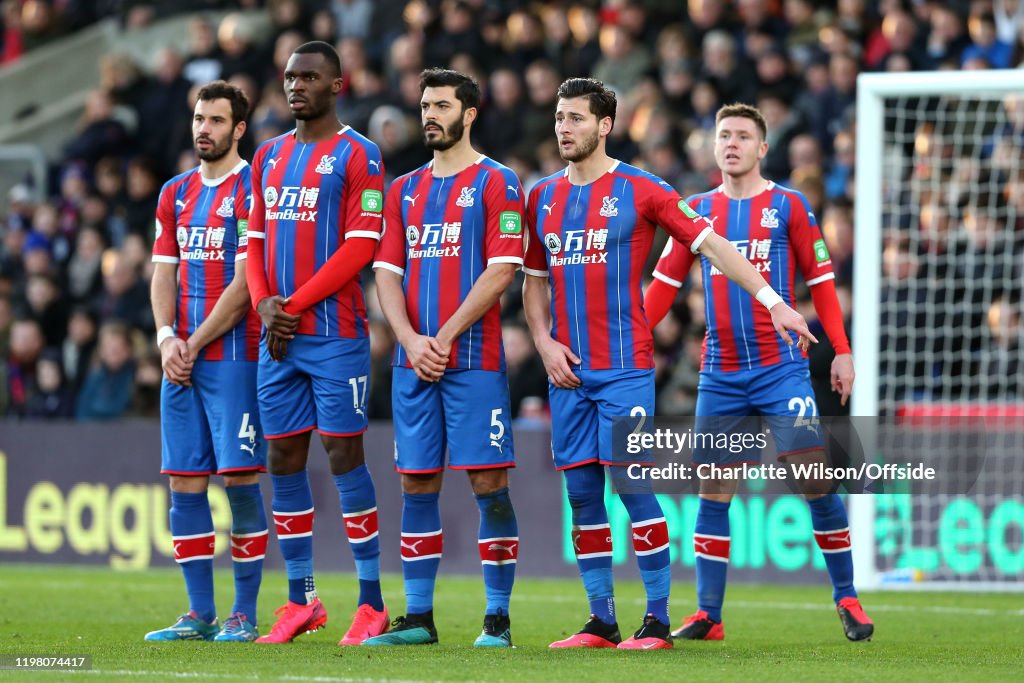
(314, 197)
(777, 232)
(592, 241)
(201, 227)
(441, 234)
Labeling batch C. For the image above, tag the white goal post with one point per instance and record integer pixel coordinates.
(909, 365)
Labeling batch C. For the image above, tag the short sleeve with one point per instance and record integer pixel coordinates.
(363, 199)
(391, 254)
(165, 243)
(504, 214)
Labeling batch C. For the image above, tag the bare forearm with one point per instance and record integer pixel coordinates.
(723, 255)
(484, 293)
(392, 303)
(537, 307)
(229, 310)
(163, 294)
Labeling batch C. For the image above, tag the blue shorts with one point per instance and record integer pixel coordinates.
(468, 412)
(781, 394)
(214, 425)
(320, 384)
(583, 419)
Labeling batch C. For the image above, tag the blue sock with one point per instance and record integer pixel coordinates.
(359, 511)
(650, 543)
(421, 547)
(192, 533)
(499, 548)
(711, 545)
(248, 546)
(293, 520)
(592, 538)
(832, 532)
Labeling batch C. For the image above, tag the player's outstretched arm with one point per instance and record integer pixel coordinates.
(556, 356)
(163, 293)
(229, 310)
(482, 296)
(426, 356)
(723, 255)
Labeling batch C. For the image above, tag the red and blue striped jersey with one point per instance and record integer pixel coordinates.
(593, 240)
(777, 231)
(307, 200)
(201, 227)
(440, 235)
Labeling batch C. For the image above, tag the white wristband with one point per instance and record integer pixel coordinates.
(768, 297)
(163, 334)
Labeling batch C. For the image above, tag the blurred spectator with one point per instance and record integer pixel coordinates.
(163, 111)
(107, 392)
(99, 133)
(6, 319)
(51, 398)
(12, 41)
(20, 369)
(947, 38)
(584, 49)
(125, 296)
(542, 81)
(501, 121)
(382, 348)
(77, 350)
(985, 43)
(725, 70)
(40, 23)
(239, 53)
(203, 63)
(783, 126)
(526, 375)
(353, 17)
(46, 305)
(143, 192)
(622, 62)
(398, 139)
(84, 274)
(148, 379)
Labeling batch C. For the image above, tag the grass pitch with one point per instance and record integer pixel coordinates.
(772, 634)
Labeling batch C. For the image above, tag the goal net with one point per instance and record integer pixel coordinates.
(938, 334)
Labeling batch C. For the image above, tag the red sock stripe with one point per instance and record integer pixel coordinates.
(500, 550)
(592, 541)
(293, 524)
(422, 546)
(711, 547)
(361, 527)
(194, 547)
(249, 547)
(650, 536)
(837, 541)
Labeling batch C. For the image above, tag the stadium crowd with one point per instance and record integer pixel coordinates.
(76, 332)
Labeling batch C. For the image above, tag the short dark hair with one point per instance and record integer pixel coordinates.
(319, 47)
(222, 90)
(467, 90)
(743, 111)
(602, 99)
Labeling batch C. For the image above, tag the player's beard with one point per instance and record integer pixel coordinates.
(584, 149)
(450, 136)
(215, 153)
